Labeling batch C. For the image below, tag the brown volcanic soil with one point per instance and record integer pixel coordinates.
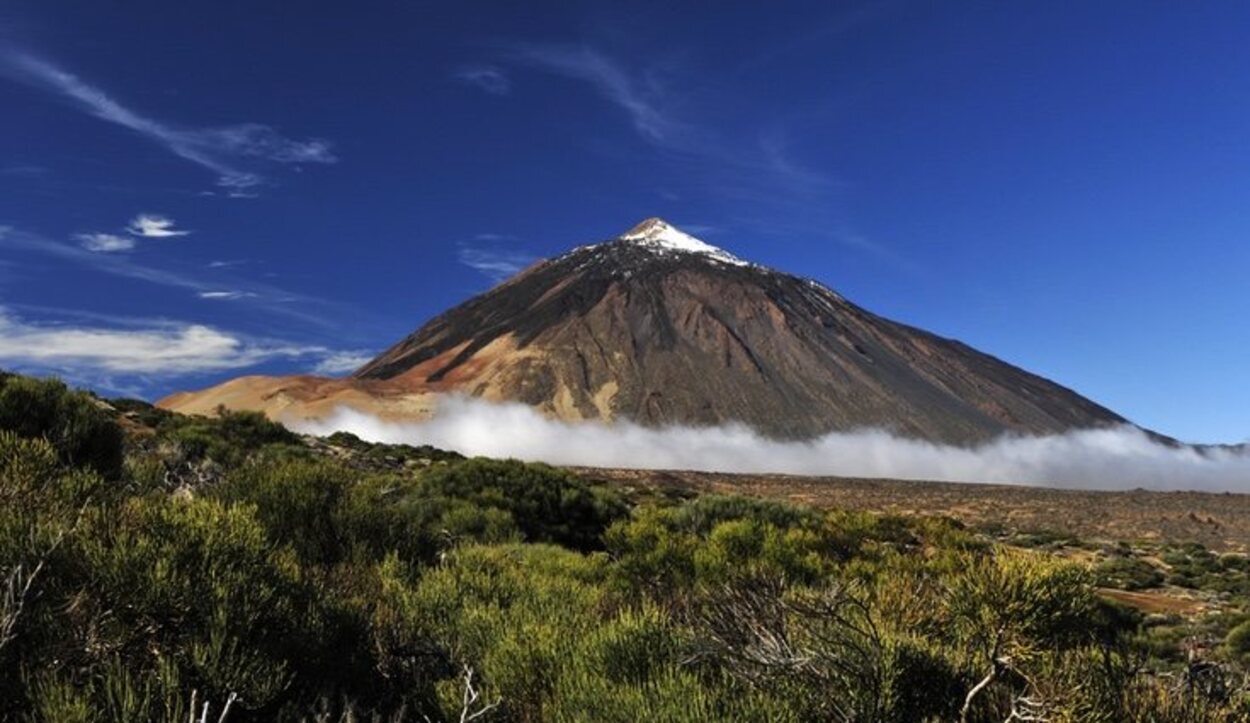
(1221, 522)
(290, 399)
(620, 329)
(663, 336)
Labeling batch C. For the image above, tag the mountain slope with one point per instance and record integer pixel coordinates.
(661, 328)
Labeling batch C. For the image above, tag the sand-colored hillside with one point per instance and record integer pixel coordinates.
(295, 398)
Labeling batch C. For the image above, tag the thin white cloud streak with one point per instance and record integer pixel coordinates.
(495, 264)
(485, 77)
(611, 81)
(13, 239)
(1115, 458)
(760, 170)
(226, 295)
(149, 225)
(343, 362)
(23, 171)
(149, 348)
(167, 350)
(219, 150)
(274, 300)
(105, 242)
(649, 108)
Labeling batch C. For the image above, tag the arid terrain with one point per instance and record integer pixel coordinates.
(660, 328)
(1220, 522)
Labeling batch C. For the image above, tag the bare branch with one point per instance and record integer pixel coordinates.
(225, 711)
(470, 699)
(18, 584)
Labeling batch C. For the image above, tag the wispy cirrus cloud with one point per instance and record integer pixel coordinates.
(164, 349)
(643, 103)
(308, 309)
(497, 264)
(11, 238)
(23, 170)
(231, 152)
(105, 242)
(488, 78)
(144, 225)
(494, 237)
(755, 167)
(232, 295)
(150, 225)
(754, 170)
(343, 362)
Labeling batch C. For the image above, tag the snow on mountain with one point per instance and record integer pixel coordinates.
(660, 235)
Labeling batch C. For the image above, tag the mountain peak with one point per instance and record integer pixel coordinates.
(659, 328)
(660, 235)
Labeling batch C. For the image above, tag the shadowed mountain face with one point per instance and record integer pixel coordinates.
(660, 328)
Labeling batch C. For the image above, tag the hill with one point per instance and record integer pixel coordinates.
(660, 328)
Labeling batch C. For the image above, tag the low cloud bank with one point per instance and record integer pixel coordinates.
(1115, 458)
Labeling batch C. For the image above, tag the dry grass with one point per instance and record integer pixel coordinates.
(1221, 522)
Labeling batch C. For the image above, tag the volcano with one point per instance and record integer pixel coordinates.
(660, 328)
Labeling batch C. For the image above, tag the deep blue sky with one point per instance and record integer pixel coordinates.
(1063, 185)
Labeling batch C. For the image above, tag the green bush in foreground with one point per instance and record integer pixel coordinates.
(79, 429)
(286, 585)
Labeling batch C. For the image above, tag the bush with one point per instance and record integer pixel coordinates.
(1238, 642)
(200, 579)
(548, 505)
(1128, 573)
(350, 581)
(228, 439)
(42, 504)
(77, 425)
(296, 501)
(702, 514)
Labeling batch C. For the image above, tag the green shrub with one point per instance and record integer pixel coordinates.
(145, 413)
(547, 504)
(702, 514)
(383, 514)
(77, 425)
(229, 438)
(41, 505)
(1128, 573)
(350, 581)
(295, 501)
(514, 614)
(1238, 642)
(199, 581)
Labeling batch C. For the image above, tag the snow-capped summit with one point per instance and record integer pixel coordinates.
(663, 236)
(659, 328)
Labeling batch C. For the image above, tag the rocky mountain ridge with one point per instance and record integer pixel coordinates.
(658, 327)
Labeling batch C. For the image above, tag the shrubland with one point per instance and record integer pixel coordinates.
(156, 566)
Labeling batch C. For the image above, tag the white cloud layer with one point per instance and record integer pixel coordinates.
(105, 242)
(223, 150)
(1116, 458)
(343, 362)
(150, 225)
(486, 77)
(226, 295)
(640, 102)
(176, 349)
(307, 309)
(149, 349)
(495, 263)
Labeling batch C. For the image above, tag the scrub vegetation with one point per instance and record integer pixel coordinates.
(155, 566)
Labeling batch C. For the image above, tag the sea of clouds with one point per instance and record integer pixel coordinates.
(1112, 458)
